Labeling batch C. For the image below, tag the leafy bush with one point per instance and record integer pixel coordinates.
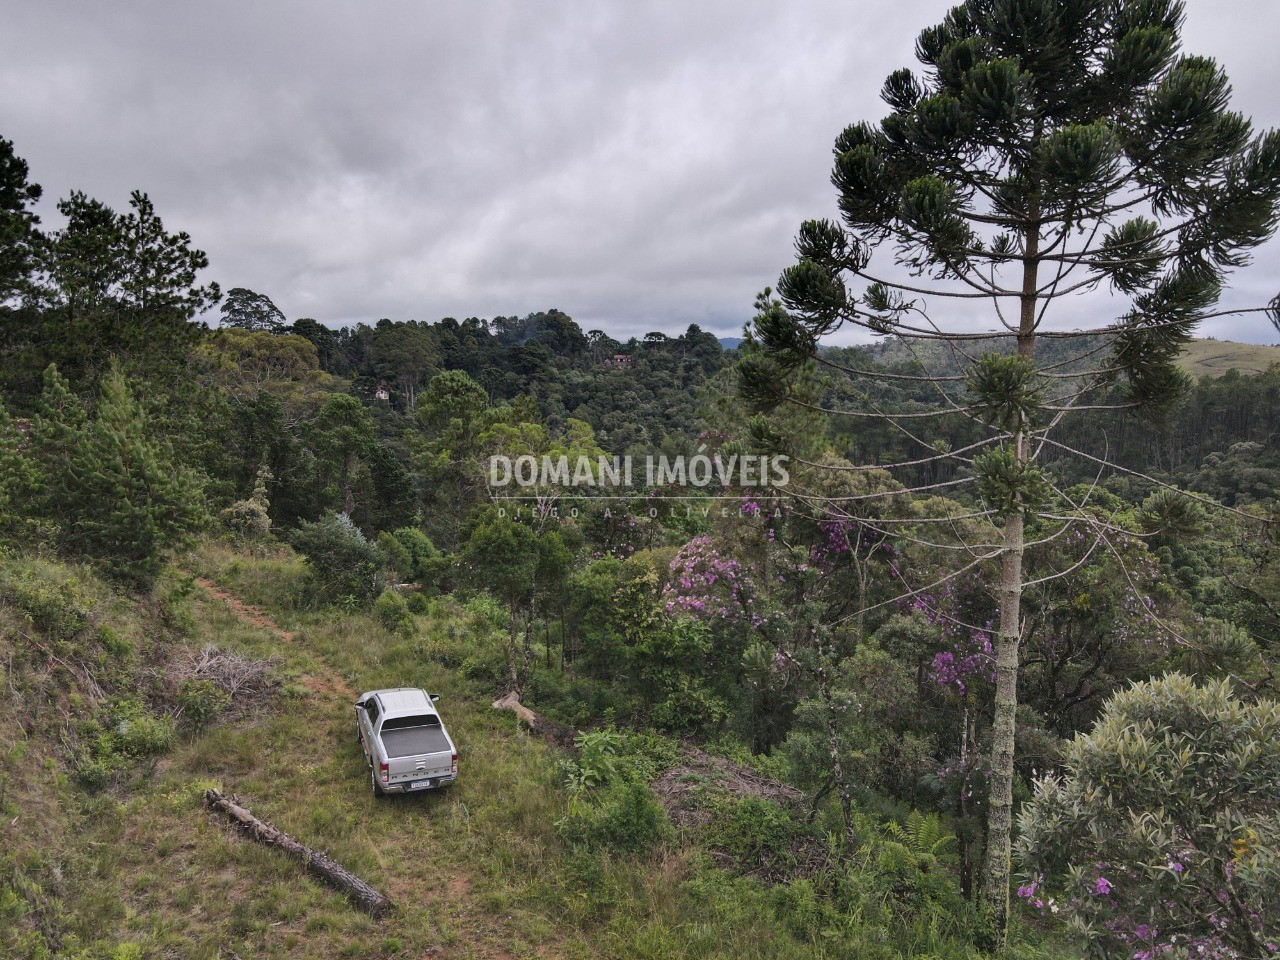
(580, 701)
(424, 559)
(647, 753)
(341, 561)
(201, 701)
(250, 519)
(392, 612)
(174, 609)
(610, 807)
(57, 606)
(597, 763)
(690, 706)
(1161, 838)
(487, 660)
(124, 732)
(136, 733)
(113, 642)
(483, 606)
(752, 830)
(247, 520)
(626, 817)
(395, 558)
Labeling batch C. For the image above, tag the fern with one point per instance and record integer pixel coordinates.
(923, 837)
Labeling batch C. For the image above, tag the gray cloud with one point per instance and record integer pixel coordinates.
(640, 166)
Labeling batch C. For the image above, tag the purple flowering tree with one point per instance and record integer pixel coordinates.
(708, 584)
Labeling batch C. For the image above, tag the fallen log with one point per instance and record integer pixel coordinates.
(559, 733)
(360, 893)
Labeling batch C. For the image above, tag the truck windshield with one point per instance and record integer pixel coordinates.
(404, 723)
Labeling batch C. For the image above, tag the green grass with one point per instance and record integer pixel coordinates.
(479, 870)
(1213, 358)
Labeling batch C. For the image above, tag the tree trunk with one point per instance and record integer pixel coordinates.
(1009, 633)
(527, 653)
(348, 489)
(833, 744)
(513, 644)
(558, 733)
(1004, 728)
(363, 895)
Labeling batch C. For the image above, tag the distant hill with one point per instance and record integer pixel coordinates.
(731, 343)
(1203, 358)
(1213, 358)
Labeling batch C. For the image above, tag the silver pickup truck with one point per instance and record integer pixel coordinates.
(404, 741)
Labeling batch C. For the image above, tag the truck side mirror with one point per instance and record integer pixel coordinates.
(435, 698)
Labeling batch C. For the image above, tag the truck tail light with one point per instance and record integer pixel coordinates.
(384, 771)
(454, 771)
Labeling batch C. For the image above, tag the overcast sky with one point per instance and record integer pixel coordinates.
(641, 166)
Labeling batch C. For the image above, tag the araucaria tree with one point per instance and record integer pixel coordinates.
(1049, 150)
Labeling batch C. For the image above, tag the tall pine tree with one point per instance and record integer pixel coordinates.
(20, 480)
(115, 491)
(1048, 149)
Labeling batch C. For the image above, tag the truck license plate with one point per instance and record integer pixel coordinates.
(419, 784)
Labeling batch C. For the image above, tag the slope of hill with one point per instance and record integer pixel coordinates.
(1213, 358)
(126, 863)
(1202, 358)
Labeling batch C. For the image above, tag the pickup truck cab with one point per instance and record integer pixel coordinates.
(404, 741)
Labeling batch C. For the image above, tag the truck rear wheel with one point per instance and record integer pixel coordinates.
(377, 787)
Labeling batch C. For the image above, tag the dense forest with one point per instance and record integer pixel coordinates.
(820, 641)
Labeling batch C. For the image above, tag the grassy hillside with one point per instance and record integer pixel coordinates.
(1213, 358)
(108, 851)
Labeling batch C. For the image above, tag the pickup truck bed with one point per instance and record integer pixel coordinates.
(404, 741)
(415, 741)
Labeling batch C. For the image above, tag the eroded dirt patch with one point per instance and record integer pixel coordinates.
(328, 686)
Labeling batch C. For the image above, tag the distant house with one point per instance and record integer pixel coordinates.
(382, 393)
(619, 361)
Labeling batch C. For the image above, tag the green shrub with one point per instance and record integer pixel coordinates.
(626, 818)
(690, 706)
(341, 561)
(648, 753)
(751, 830)
(1164, 825)
(96, 773)
(484, 607)
(419, 604)
(140, 734)
(424, 559)
(59, 608)
(201, 701)
(597, 763)
(175, 611)
(579, 701)
(394, 556)
(393, 612)
(487, 662)
(113, 642)
(250, 519)
(123, 732)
